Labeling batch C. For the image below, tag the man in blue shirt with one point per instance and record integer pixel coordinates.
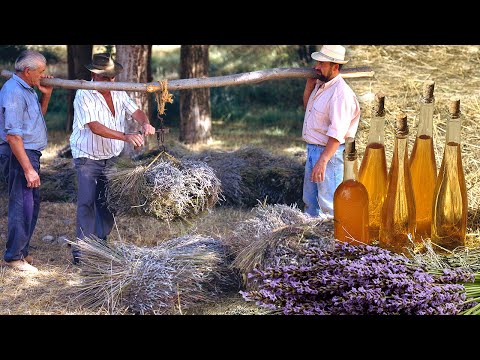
(23, 136)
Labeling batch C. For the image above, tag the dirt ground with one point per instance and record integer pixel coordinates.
(400, 72)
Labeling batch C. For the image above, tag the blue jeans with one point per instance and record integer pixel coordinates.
(23, 208)
(5, 153)
(93, 215)
(318, 197)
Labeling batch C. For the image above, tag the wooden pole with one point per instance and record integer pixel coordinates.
(252, 77)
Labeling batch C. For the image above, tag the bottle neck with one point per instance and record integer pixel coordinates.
(350, 169)
(425, 119)
(453, 130)
(401, 149)
(377, 130)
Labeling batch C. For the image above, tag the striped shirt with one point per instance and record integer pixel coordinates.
(332, 111)
(21, 114)
(89, 106)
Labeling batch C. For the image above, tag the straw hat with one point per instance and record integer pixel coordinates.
(103, 64)
(331, 53)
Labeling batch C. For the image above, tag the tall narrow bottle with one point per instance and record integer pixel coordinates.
(423, 166)
(449, 213)
(373, 169)
(350, 202)
(397, 229)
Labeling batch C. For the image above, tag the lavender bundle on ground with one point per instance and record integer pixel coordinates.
(276, 235)
(167, 189)
(356, 280)
(170, 278)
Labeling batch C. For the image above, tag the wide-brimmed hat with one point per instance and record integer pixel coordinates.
(103, 64)
(331, 53)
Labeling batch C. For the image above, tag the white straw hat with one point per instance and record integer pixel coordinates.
(331, 53)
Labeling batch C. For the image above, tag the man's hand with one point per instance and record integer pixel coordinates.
(148, 129)
(318, 172)
(33, 179)
(46, 90)
(135, 139)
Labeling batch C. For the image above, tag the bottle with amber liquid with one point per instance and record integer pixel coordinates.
(350, 201)
(423, 166)
(373, 169)
(449, 214)
(397, 228)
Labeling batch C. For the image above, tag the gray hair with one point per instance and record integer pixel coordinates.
(29, 59)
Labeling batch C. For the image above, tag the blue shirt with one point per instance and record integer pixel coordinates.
(21, 114)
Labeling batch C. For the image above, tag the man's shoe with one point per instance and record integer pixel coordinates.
(28, 259)
(22, 265)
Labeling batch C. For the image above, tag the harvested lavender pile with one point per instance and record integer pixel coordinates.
(166, 190)
(275, 235)
(461, 260)
(251, 174)
(170, 278)
(358, 280)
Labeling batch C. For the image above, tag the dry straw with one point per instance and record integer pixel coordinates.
(169, 278)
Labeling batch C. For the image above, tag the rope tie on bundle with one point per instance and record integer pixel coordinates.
(162, 96)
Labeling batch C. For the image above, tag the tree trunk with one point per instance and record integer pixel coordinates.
(305, 52)
(195, 114)
(78, 56)
(136, 68)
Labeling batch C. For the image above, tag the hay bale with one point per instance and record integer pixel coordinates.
(167, 189)
(169, 278)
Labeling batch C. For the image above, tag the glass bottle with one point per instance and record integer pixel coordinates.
(423, 166)
(373, 169)
(350, 201)
(397, 229)
(449, 213)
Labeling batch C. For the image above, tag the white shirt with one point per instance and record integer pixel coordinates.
(332, 111)
(90, 105)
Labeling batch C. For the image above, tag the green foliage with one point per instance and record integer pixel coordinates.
(56, 116)
(8, 53)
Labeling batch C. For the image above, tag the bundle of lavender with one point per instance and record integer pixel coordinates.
(170, 278)
(462, 259)
(359, 280)
(167, 190)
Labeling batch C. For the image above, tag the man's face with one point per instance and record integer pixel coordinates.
(99, 77)
(324, 70)
(34, 75)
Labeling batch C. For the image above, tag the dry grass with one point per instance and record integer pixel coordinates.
(400, 74)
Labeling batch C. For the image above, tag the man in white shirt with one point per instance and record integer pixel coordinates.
(332, 113)
(97, 140)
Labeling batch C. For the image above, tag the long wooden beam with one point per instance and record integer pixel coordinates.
(252, 77)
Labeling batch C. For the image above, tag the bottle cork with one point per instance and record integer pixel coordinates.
(427, 96)
(379, 104)
(454, 107)
(401, 124)
(350, 151)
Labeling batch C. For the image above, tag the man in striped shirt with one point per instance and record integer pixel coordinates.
(97, 140)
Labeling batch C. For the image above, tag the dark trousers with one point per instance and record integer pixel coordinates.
(93, 215)
(23, 208)
(5, 153)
